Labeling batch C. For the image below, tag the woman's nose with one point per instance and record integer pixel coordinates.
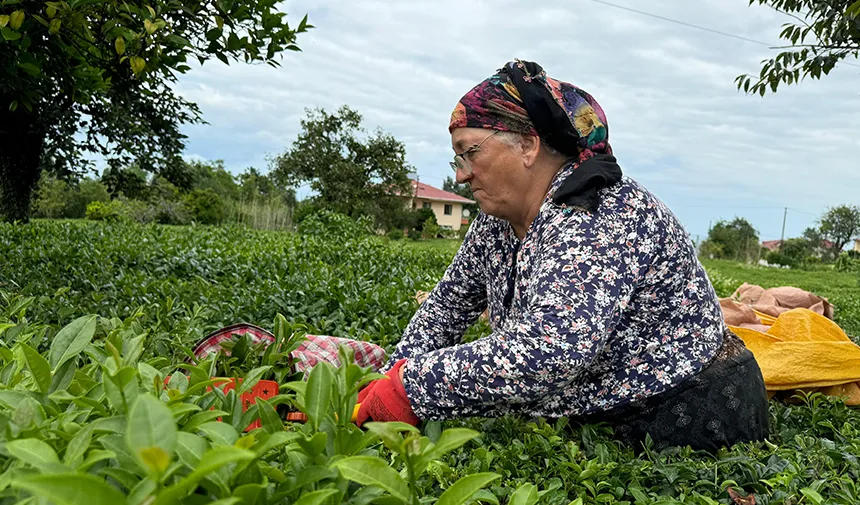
(461, 177)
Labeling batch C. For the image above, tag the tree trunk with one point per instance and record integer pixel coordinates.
(21, 141)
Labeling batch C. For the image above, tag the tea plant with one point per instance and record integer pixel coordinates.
(94, 318)
(89, 420)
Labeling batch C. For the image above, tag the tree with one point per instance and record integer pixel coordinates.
(257, 186)
(349, 175)
(130, 182)
(97, 77)
(840, 225)
(463, 190)
(212, 175)
(736, 240)
(824, 34)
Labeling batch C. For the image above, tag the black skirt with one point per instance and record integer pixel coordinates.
(726, 403)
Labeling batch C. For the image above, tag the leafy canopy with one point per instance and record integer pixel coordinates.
(350, 175)
(840, 225)
(821, 35)
(97, 77)
(737, 240)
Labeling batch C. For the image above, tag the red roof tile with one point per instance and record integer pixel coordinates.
(427, 192)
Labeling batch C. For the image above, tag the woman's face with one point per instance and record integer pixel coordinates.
(498, 170)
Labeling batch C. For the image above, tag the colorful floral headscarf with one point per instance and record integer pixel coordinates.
(521, 98)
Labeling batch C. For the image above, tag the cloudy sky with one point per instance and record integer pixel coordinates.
(677, 122)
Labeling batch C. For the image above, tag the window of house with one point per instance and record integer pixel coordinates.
(449, 209)
(427, 205)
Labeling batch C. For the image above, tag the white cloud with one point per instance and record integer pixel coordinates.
(677, 121)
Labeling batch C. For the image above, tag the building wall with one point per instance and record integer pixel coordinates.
(454, 221)
(857, 245)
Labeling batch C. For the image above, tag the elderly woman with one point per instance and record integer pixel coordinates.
(599, 307)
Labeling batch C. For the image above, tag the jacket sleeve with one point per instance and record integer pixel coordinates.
(454, 304)
(583, 279)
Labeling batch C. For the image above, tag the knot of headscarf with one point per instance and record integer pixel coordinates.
(520, 98)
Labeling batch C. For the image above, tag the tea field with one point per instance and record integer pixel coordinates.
(94, 318)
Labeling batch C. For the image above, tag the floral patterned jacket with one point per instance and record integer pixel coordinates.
(589, 311)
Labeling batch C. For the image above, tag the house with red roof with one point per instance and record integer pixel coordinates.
(447, 206)
(773, 245)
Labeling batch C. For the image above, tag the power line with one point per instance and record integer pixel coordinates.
(691, 25)
(682, 23)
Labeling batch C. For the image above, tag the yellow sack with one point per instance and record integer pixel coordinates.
(803, 350)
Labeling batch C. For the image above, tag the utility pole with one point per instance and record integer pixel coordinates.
(782, 237)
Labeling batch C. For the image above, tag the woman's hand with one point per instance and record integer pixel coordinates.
(385, 399)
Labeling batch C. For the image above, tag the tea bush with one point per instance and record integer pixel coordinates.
(94, 316)
(89, 420)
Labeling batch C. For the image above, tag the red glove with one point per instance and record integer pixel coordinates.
(362, 395)
(386, 400)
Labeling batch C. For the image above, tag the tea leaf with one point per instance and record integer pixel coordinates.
(220, 433)
(200, 418)
(190, 448)
(527, 494)
(371, 471)
(389, 434)
(155, 458)
(78, 445)
(151, 433)
(252, 378)
(812, 495)
(211, 461)
(462, 491)
(38, 367)
(71, 340)
(63, 376)
(94, 457)
(316, 497)
(269, 418)
(318, 394)
(277, 439)
(35, 453)
(71, 489)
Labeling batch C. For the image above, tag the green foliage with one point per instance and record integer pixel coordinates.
(778, 258)
(332, 225)
(118, 432)
(130, 182)
(822, 35)
(796, 251)
(395, 234)
(840, 225)
(736, 240)
(205, 206)
(350, 175)
(431, 229)
(189, 281)
(102, 211)
(57, 198)
(98, 77)
(87, 416)
(847, 262)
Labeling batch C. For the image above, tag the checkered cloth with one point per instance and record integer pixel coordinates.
(313, 350)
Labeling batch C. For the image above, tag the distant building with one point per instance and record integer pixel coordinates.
(857, 245)
(826, 245)
(448, 207)
(771, 245)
